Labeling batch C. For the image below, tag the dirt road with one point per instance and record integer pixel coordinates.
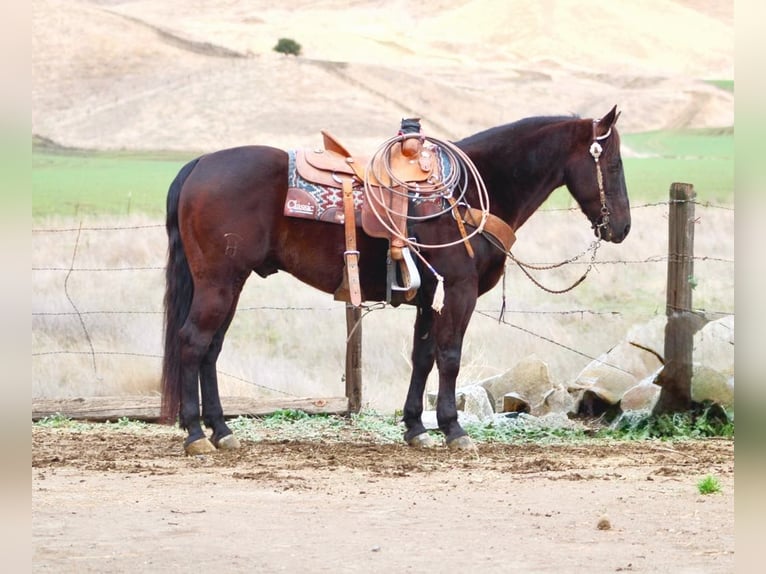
(118, 501)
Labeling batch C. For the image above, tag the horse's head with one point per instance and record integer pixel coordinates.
(595, 178)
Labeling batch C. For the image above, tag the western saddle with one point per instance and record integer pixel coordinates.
(388, 179)
(408, 162)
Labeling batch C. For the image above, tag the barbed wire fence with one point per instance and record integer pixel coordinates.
(84, 343)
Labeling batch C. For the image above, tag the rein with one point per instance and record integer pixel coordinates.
(595, 151)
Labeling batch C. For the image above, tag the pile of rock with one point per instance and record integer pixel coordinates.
(620, 380)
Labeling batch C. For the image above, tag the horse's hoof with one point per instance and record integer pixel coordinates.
(423, 440)
(462, 443)
(199, 446)
(229, 442)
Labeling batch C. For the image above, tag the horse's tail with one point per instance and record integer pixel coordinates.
(179, 290)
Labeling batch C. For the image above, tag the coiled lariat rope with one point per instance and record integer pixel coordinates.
(460, 168)
(452, 189)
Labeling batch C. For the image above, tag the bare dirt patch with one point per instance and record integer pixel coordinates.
(110, 500)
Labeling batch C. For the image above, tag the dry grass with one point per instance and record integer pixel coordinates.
(288, 338)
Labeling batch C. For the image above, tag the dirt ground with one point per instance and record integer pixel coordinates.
(121, 501)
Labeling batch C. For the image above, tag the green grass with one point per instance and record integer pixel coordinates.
(370, 425)
(708, 485)
(73, 183)
(58, 420)
(702, 157)
(727, 85)
(704, 421)
(96, 183)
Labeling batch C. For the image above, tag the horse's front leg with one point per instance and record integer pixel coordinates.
(448, 331)
(423, 355)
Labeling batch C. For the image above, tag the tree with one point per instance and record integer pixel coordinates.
(288, 46)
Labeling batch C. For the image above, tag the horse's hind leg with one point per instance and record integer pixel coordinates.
(212, 411)
(209, 311)
(423, 355)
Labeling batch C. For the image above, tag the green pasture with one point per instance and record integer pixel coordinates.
(93, 183)
(69, 183)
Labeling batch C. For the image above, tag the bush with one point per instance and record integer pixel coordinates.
(288, 46)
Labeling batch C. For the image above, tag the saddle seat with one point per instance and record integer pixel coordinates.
(327, 166)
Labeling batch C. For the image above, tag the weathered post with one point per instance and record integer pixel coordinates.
(354, 358)
(676, 375)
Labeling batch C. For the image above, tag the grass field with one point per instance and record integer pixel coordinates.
(76, 183)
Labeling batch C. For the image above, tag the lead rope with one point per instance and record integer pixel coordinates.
(595, 151)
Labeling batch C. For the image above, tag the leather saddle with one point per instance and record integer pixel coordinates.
(407, 162)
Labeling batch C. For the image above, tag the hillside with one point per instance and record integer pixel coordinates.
(114, 74)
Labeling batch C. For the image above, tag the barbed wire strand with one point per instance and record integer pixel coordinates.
(706, 204)
(650, 259)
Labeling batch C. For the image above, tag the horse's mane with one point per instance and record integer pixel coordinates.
(524, 125)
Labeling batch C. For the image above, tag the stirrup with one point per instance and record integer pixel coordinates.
(410, 274)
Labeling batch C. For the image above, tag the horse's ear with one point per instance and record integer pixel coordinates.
(605, 123)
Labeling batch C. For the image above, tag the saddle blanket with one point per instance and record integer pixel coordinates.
(308, 200)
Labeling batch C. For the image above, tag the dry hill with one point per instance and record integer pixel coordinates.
(202, 75)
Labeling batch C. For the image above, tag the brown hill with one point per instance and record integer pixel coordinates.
(202, 75)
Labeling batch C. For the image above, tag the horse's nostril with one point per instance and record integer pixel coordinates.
(627, 230)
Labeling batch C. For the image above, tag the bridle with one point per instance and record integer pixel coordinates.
(596, 151)
(603, 223)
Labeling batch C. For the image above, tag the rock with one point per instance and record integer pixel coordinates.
(649, 335)
(711, 385)
(496, 387)
(473, 399)
(643, 396)
(714, 345)
(593, 404)
(607, 382)
(529, 379)
(558, 400)
(634, 359)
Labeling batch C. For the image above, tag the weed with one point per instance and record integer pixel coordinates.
(523, 429)
(127, 423)
(708, 485)
(706, 420)
(54, 421)
(381, 428)
(288, 415)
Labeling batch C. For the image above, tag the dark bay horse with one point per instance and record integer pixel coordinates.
(225, 220)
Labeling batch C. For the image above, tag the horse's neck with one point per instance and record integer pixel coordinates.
(518, 186)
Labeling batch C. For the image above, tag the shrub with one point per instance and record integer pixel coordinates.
(288, 46)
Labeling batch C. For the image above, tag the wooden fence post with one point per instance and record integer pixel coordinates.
(676, 375)
(354, 358)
